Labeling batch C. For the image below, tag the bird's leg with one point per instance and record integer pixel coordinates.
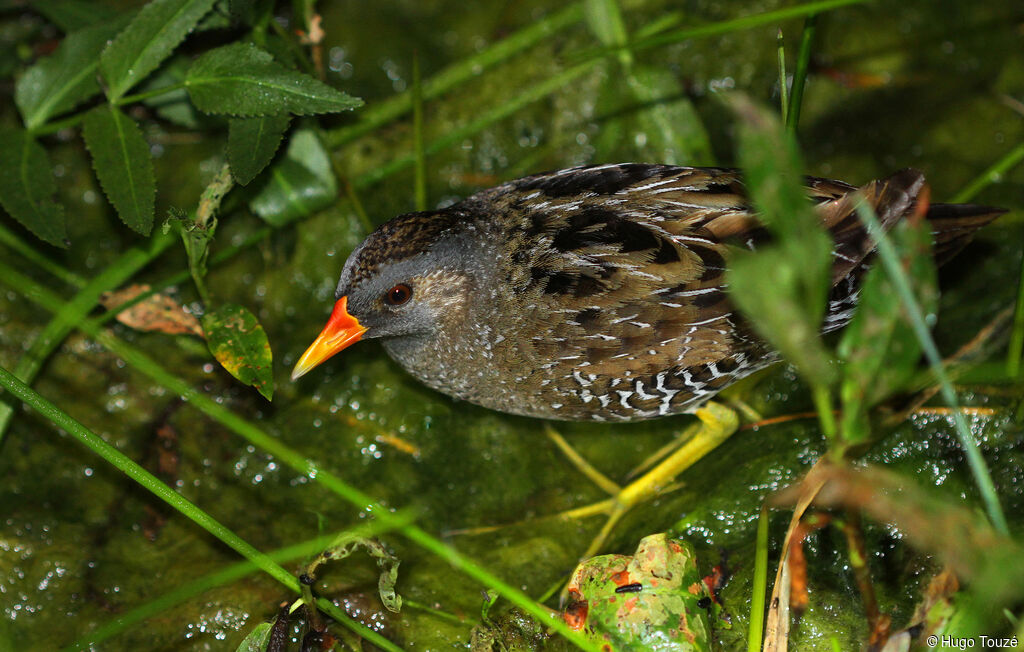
(717, 423)
(742, 408)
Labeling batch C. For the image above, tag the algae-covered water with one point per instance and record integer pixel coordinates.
(935, 85)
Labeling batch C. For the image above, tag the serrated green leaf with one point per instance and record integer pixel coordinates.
(27, 187)
(300, 183)
(252, 143)
(149, 39)
(244, 81)
(239, 343)
(66, 78)
(257, 639)
(71, 15)
(879, 347)
(120, 156)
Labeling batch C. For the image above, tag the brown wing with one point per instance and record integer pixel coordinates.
(626, 255)
(633, 257)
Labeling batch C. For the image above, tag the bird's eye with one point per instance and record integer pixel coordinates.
(398, 295)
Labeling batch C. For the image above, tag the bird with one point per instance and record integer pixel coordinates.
(594, 293)
(599, 293)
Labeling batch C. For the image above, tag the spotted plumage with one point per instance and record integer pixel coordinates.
(597, 293)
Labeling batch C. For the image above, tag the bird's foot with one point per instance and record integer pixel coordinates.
(717, 423)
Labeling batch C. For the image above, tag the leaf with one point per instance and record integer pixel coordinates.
(150, 38)
(27, 187)
(300, 183)
(252, 143)
(174, 105)
(783, 288)
(157, 312)
(120, 156)
(879, 346)
(256, 640)
(766, 286)
(71, 15)
(242, 80)
(238, 341)
(345, 545)
(66, 78)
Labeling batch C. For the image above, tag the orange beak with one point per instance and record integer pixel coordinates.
(342, 330)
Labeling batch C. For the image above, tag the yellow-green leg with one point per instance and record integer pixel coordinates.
(717, 423)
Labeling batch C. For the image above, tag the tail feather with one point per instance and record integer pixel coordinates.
(953, 226)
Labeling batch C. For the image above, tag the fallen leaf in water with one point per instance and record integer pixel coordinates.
(157, 312)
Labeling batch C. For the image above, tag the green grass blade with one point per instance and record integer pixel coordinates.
(539, 91)
(71, 313)
(783, 82)
(41, 261)
(458, 73)
(992, 175)
(150, 482)
(417, 134)
(604, 17)
(1016, 348)
(760, 584)
(890, 259)
(803, 63)
(222, 577)
(728, 26)
(259, 438)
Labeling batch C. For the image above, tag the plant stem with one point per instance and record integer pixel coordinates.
(1016, 348)
(783, 82)
(891, 261)
(823, 403)
(417, 134)
(803, 63)
(760, 584)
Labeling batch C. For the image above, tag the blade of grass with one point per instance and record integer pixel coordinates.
(458, 73)
(891, 261)
(992, 175)
(41, 261)
(148, 481)
(74, 311)
(783, 85)
(417, 134)
(726, 26)
(1016, 348)
(539, 91)
(222, 577)
(760, 585)
(803, 63)
(259, 438)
